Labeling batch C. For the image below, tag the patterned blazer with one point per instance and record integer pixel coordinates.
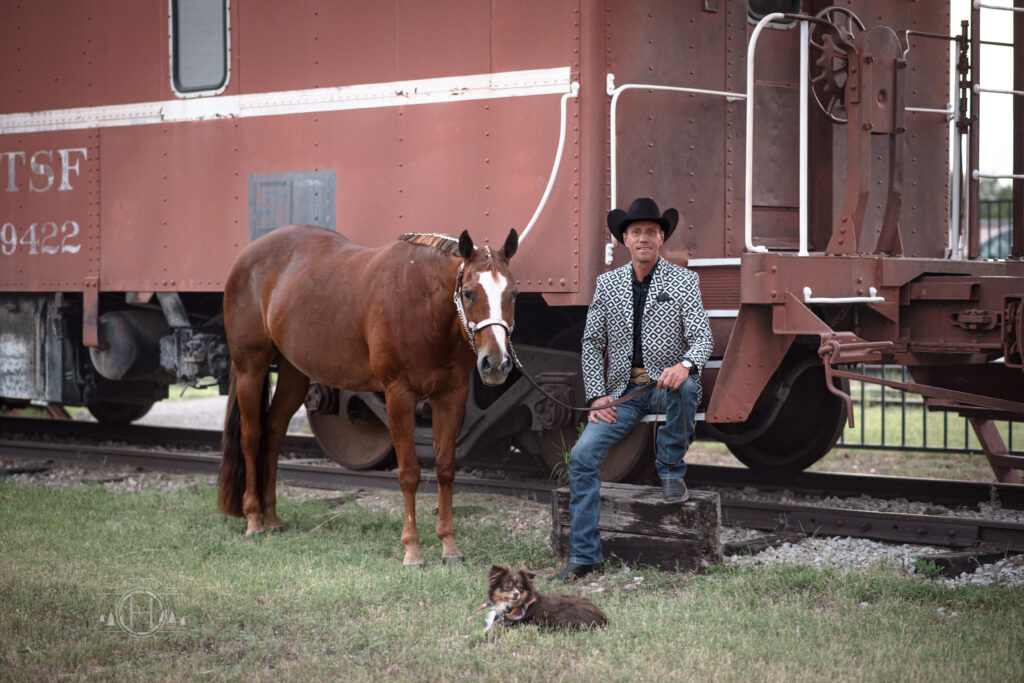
(675, 326)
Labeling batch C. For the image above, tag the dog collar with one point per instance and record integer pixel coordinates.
(520, 612)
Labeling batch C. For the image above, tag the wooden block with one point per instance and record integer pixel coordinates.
(639, 527)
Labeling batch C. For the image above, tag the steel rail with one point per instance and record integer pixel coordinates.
(774, 517)
(939, 491)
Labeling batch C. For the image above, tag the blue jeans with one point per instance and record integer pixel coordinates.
(597, 440)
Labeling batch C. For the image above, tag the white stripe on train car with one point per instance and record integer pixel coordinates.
(375, 95)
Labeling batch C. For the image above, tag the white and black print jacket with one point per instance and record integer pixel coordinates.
(675, 326)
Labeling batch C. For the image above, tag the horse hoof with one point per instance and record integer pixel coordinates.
(413, 565)
(254, 535)
(276, 529)
(453, 559)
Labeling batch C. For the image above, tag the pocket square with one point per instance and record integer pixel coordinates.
(663, 297)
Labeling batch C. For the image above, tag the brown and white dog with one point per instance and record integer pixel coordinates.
(513, 600)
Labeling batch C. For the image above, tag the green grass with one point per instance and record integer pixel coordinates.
(328, 600)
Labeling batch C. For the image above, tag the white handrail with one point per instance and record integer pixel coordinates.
(574, 90)
(957, 191)
(947, 112)
(977, 174)
(748, 205)
(873, 298)
(980, 89)
(614, 92)
(978, 5)
(804, 80)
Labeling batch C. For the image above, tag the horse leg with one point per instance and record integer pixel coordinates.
(447, 410)
(249, 387)
(401, 406)
(288, 396)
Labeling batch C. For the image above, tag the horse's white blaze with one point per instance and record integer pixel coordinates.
(494, 286)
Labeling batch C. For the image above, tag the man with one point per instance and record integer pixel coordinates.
(647, 317)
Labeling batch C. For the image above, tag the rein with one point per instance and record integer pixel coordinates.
(583, 409)
(472, 328)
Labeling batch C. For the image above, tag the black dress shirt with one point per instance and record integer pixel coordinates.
(640, 290)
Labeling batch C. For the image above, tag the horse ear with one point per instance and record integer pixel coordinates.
(511, 244)
(465, 245)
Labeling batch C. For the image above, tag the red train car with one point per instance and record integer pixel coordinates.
(143, 145)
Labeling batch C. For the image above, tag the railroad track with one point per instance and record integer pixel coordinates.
(779, 519)
(937, 491)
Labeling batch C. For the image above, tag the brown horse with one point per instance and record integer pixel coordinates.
(324, 309)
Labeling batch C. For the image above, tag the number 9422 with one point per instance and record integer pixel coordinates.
(45, 238)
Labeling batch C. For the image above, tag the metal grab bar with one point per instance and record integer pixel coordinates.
(615, 92)
(1018, 93)
(947, 112)
(748, 171)
(979, 5)
(872, 298)
(574, 90)
(976, 174)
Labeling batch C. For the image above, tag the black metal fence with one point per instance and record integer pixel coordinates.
(890, 419)
(995, 228)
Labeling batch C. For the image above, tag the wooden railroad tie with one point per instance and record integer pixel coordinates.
(638, 527)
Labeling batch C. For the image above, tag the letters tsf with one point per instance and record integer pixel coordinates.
(41, 167)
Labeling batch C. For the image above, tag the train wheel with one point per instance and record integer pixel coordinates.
(807, 426)
(631, 461)
(109, 412)
(554, 448)
(354, 436)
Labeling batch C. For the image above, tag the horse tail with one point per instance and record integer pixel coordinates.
(231, 482)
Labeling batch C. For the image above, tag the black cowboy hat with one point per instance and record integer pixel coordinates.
(642, 209)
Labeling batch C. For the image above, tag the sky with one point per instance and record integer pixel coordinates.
(996, 143)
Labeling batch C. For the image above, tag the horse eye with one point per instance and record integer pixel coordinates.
(467, 295)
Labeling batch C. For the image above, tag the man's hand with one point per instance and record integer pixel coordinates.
(608, 415)
(672, 378)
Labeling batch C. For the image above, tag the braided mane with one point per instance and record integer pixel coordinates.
(442, 242)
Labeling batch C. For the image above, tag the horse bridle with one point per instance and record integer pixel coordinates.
(471, 328)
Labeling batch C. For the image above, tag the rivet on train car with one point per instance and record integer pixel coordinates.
(774, 269)
(774, 293)
(860, 292)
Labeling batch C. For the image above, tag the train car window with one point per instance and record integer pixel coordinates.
(199, 46)
(759, 9)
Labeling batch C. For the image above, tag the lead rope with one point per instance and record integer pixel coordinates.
(619, 401)
(472, 328)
